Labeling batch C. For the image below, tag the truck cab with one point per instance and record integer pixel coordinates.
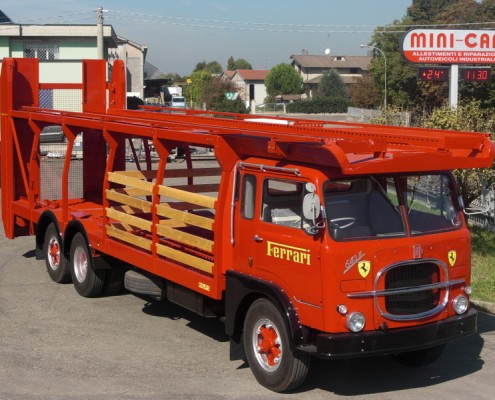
(369, 264)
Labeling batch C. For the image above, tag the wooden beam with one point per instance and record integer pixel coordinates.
(129, 219)
(186, 238)
(188, 218)
(194, 198)
(179, 256)
(143, 205)
(122, 179)
(129, 237)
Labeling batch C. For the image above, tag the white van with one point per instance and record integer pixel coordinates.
(178, 102)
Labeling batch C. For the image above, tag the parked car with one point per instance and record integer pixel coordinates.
(52, 134)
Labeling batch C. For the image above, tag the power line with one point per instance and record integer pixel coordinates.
(51, 17)
(235, 28)
(246, 25)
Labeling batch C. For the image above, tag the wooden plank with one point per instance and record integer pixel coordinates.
(126, 209)
(188, 218)
(179, 256)
(132, 192)
(116, 177)
(129, 219)
(186, 238)
(129, 237)
(194, 198)
(143, 205)
(173, 223)
(180, 205)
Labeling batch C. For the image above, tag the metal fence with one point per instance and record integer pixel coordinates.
(53, 147)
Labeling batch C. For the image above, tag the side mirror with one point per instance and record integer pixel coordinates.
(312, 209)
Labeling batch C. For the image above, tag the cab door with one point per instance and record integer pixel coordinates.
(271, 241)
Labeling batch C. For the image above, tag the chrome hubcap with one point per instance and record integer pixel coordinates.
(53, 253)
(80, 264)
(267, 345)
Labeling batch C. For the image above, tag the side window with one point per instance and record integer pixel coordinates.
(282, 202)
(248, 196)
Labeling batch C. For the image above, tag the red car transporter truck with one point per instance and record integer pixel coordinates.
(310, 238)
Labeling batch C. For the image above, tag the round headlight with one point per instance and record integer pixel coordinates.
(461, 304)
(355, 321)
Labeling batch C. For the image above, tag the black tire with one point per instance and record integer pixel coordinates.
(87, 281)
(420, 358)
(268, 351)
(55, 260)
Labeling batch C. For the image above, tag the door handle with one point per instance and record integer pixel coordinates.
(257, 238)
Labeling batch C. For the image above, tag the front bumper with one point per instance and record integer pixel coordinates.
(352, 345)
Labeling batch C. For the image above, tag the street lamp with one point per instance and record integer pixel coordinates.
(385, 75)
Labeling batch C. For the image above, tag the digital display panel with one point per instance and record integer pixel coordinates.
(481, 74)
(433, 74)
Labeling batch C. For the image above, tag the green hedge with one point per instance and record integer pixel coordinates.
(319, 105)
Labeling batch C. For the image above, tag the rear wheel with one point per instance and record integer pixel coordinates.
(56, 263)
(420, 358)
(87, 281)
(266, 342)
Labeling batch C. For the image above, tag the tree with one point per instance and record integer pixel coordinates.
(283, 79)
(199, 79)
(363, 93)
(426, 11)
(213, 67)
(214, 97)
(240, 63)
(332, 85)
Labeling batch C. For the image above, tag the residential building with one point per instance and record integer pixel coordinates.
(134, 55)
(60, 47)
(251, 84)
(312, 67)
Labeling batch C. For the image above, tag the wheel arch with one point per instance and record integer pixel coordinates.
(72, 228)
(46, 218)
(242, 290)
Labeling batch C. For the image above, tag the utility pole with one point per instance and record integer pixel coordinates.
(99, 32)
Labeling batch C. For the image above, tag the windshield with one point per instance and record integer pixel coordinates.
(383, 206)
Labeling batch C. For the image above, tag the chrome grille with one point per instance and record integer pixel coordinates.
(411, 290)
(407, 277)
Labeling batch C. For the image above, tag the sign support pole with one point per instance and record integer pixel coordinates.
(454, 86)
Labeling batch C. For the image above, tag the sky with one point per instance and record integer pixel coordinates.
(181, 33)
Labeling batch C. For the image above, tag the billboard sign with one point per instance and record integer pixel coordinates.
(449, 46)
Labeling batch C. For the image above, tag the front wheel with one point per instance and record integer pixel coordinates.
(87, 281)
(268, 351)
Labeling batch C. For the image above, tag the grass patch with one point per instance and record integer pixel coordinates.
(483, 264)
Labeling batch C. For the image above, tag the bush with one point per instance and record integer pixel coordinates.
(232, 106)
(319, 105)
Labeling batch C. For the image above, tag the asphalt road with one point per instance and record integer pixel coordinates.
(55, 344)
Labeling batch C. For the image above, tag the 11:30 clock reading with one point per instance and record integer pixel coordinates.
(476, 74)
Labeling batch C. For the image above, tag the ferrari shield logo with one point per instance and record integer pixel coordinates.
(364, 268)
(452, 257)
